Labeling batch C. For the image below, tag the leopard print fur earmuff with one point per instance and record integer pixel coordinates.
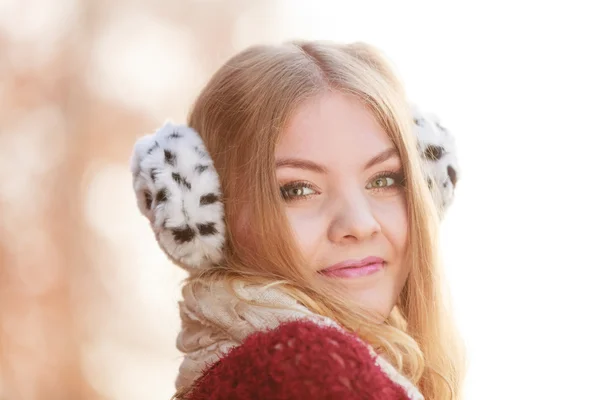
(177, 187)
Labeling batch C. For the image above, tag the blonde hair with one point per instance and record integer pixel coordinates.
(240, 113)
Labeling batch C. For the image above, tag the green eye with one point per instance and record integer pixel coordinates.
(381, 182)
(295, 192)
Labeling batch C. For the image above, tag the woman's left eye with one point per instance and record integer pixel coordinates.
(385, 181)
(381, 182)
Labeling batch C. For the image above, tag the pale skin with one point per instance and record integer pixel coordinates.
(341, 178)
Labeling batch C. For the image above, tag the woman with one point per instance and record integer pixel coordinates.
(314, 271)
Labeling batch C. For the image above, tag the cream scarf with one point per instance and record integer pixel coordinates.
(214, 321)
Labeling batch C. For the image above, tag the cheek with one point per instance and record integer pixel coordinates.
(308, 228)
(393, 218)
(394, 225)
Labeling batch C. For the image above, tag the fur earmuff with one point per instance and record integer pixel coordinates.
(178, 190)
(437, 150)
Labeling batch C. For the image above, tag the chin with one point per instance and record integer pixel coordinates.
(376, 300)
(377, 293)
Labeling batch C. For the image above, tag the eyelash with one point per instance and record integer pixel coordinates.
(398, 178)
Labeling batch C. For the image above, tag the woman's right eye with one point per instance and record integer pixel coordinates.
(296, 191)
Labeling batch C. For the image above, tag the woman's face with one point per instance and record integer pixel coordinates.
(341, 179)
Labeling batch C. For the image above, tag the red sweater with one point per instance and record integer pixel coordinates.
(298, 360)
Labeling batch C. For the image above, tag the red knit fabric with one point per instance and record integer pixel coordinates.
(298, 360)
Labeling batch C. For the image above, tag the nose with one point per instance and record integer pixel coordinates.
(353, 222)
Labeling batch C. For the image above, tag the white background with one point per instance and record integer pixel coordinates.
(518, 83)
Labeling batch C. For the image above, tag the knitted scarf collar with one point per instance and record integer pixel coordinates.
(218, 318)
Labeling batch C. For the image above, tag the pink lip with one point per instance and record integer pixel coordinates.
(354, 269)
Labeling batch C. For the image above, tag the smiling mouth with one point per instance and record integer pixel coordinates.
(354, 268)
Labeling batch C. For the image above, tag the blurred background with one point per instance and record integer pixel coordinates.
(87, 300)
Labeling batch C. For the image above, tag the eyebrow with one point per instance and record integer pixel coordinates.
(381, 157)
(318, 168)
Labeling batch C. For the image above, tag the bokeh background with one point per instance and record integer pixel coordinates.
(87, 300)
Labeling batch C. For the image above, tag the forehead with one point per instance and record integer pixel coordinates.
(332, 127)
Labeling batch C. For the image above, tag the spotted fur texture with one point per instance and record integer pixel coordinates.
(177, 187)
(437, 149)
